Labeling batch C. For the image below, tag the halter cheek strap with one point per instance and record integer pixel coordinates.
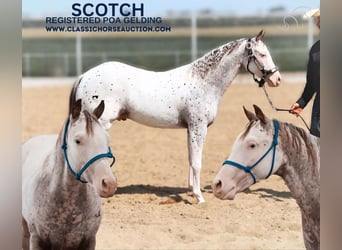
(78, 175)
(248, 169)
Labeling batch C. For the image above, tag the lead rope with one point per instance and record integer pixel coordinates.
(281, 109)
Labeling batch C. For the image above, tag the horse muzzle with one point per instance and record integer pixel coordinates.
(273, 79)
(223, 192)
(108, 187)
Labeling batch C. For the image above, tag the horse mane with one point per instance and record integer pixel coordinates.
(90, 118)
(248, 127)
(210, 60)
(292, 137)
(296, 138)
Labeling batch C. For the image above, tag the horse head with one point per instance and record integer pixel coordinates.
(260, 63)
(86, 149)
(252, 157)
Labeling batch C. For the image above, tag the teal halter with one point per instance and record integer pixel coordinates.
(273, 146)
(92, 160)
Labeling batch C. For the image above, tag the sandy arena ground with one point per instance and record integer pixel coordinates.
(153, 208)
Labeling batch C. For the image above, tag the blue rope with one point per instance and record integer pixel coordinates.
(92, 160)
(248, 169)
(95, 158)
(275, 143)
(237, 165)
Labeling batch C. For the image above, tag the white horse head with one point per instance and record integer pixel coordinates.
(86, 149)
(260, 63)
(254, 156)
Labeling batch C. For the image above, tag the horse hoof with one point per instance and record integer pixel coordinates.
(200, 200)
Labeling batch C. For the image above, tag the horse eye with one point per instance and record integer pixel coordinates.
(252, 145)
(78, 141)
(260, 54)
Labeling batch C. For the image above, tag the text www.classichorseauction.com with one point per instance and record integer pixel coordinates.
(109, 17)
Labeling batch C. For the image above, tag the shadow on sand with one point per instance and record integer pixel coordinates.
(173, 193)
(270, 193)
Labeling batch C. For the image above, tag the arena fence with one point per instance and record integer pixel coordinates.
(64, 64)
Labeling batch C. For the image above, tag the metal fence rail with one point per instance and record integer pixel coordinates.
(64, 64)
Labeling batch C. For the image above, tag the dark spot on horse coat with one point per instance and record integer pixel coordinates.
(209, 124)
(123, 115)
(183, 119)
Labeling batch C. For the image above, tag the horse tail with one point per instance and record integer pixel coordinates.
(72, 97)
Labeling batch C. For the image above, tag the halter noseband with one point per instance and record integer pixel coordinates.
(92, 160)
(248, 169)
(264, 72)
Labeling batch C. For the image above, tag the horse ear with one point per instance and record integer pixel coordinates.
(249, 114)
(259, 114)
(99, 110)
(76, 109)
(260, 36)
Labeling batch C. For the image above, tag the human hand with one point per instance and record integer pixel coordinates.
(295, 109)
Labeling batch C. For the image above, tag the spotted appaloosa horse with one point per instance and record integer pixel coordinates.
(185, 97)
(58, 210)
(268, 147)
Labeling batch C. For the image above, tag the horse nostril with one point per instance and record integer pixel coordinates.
(108, 186)
(217, 185)
(104, 184)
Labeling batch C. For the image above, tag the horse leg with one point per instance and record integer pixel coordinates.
(191, 173)
(25, 241)
(196, 136)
